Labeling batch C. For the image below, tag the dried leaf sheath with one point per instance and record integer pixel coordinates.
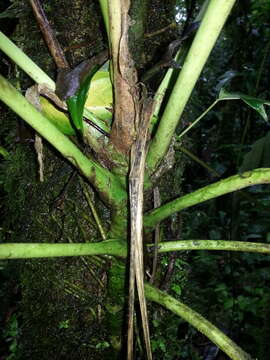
(131, 299)
(136, 180)
(124, 77)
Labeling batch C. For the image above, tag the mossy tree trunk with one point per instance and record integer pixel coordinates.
(57, 211)
(63, 301)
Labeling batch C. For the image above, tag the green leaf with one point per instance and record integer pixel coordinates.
(228, 303)
(243, 302)
(3, 152)
(102, 345)
(256, 103)
(60, 120)
(15, 10)
(100, 96)
(177, 289)
(76, 103)
(56, 117)
(258, 156)
(162, 346)
(64, 324)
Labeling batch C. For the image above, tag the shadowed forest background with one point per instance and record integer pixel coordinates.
(54, 308)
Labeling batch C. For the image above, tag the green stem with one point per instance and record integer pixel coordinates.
(181, 54)
(114, 8)
(197, 120)
(38, 75)
(29, 251)
(105, 182)
(212, 23)
(163, 88)
(224, 245)
(222, 187)
(24, 62)
(118, 248)
(198, 321)
(105, 14)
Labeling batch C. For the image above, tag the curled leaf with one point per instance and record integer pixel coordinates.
(256, 103)
(76, 102)
(73, 85)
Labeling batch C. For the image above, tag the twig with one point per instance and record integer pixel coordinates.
(51, 41)
(59, 199)
(199, 161)
(94, 212)
(157, 204)
(160, 31)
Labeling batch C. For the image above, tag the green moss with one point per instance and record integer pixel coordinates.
(18, 178)
(115, 302)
